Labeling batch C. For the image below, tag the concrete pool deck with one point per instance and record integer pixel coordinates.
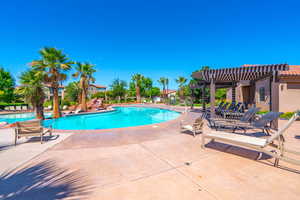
(151, 162)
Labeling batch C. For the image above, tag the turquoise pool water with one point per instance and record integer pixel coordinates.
(16, 117)
(122, 117)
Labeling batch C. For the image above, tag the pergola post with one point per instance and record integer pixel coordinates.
(212, 97)
(203, 98)
(233, 92)
(275, 98)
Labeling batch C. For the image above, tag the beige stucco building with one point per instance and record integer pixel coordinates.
(258, 92)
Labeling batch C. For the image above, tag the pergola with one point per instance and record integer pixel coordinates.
(229, 77)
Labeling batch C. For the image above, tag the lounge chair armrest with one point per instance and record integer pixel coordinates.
(29, 127)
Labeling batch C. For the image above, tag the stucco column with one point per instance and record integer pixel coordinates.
(212, 98)
(203, 98)
(233, 92)
(275, 98)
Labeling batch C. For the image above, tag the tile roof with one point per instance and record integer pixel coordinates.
(97, 86)
(294, 70)
(169, 91)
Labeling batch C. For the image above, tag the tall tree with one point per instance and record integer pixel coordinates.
(7, 84)
(137, 79)
(85, 71)
(165, 85)
(55, 63)
(118, 88)
(181, 83)
(32, 89)
(72, 92)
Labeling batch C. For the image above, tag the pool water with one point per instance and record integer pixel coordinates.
(121, 117)
(16, 117)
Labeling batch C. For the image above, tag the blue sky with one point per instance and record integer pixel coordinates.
(156, 38)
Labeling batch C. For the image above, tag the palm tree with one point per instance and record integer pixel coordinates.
(85, 71)
(55, 63)
(33, 91)
(137, 79)
(118, 88)
(181, 81)
(164, 82)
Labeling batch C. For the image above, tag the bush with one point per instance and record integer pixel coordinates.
(262, 112)
(287, 115)
(3, 104)
(47, 103)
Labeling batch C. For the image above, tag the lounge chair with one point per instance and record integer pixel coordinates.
(18, 108)
(12, 108)
(234, 112)
(221, 108)
(247, 117)
(259, 144)
(31, 128)
(24, 108)
(263, 123)
(196, 127)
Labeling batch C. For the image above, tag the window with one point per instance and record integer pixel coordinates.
(262, 94)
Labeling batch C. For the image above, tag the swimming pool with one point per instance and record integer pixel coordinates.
(121, 117)
(16, 117)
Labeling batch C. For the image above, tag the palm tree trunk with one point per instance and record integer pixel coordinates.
(39, 112)
(138, 94)
(39, 106)
(56, 110)
(83, 100)
(79, 97)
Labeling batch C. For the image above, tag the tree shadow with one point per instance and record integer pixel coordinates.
(44, 181)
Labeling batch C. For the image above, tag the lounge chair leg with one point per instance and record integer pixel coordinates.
(259, 156)
(194, 133)
(276, 163)
(16, 137)
(203, 142)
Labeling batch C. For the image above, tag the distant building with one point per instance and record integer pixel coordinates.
(49, 92)
(93, 89)
(169, 93)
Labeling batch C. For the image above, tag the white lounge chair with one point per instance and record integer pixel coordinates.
(276, 142)
(12, 108)
(196, 127)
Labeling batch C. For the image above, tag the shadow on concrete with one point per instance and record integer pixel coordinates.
(247, 153)
(239, 151)
(45, 138)
(44, 181)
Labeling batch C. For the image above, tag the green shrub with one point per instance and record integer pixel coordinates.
(287, 115)
(262, 112)
(12, 104)
(47, 103)
(3, 104)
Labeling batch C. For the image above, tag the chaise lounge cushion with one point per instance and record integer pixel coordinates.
(235, 138)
